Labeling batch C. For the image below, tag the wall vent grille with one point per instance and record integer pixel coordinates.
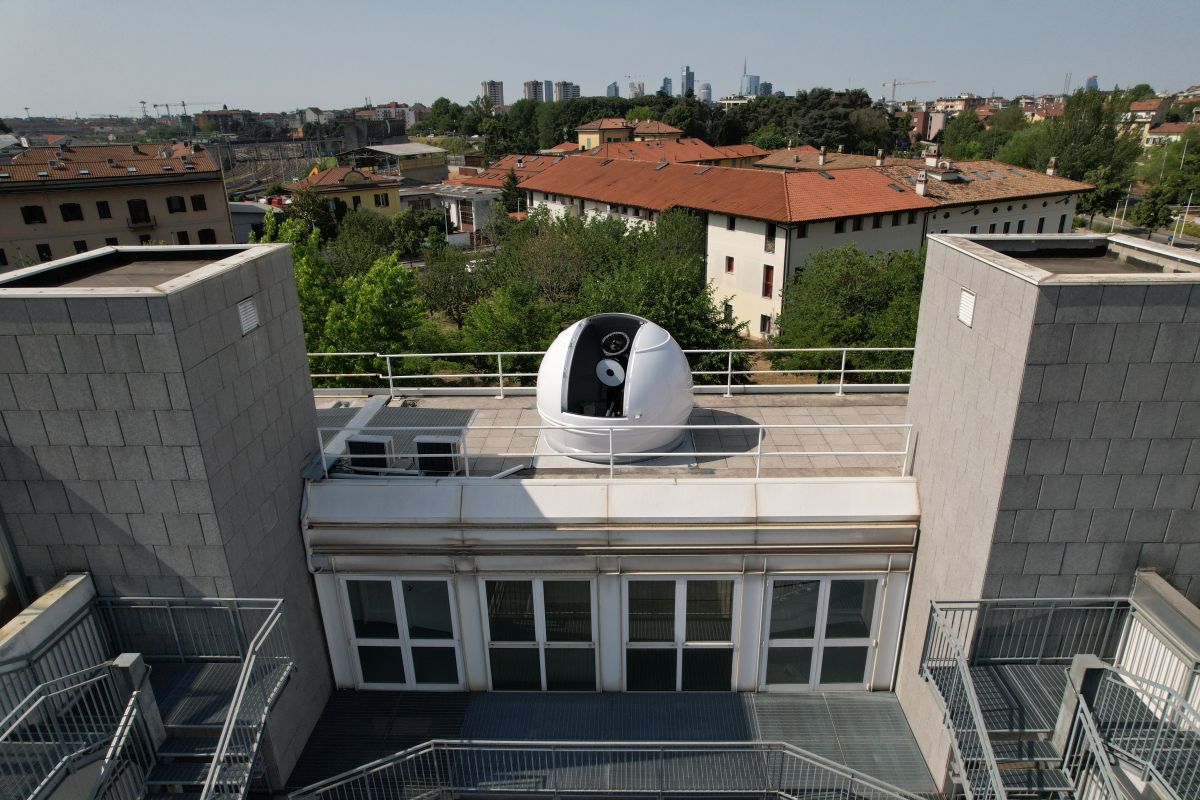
(248, 315)
(966, 307)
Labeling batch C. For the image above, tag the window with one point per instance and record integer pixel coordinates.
(80, 246)
(912, 217)
(637, 212)
(139, 212)
(974, 229)
(768, 280)
(33, 215)
(181, 237)
(381, 200)
(1062, 224)
(111, 241)
(764, 324)
(858, 223)
(1041, 224)
(839, 226)
(729, 263)
(679, 635)
(199, 203)
(144, 238)
(43, 252)
(403, 633)
(4, 263)
(540, 634)
(355, 201)
(728, 307)
(802, 230)
(176, 204)
(207, 236)
(769, 242)
(1020, 226)
(730, 223)
(819, 632)
(1006, 226)
(71, 212)
(877, 221)
(992, 228)
(896, 220)
(420, 204)
(102, 209)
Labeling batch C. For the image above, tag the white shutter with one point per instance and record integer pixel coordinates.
(966, 307)
(248, 315)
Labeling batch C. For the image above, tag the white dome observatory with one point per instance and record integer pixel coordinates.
(613, 372)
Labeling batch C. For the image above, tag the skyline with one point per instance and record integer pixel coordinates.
(261, 63)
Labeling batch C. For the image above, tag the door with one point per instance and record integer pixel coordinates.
(680, 634)
(819, 633)
(403, 633)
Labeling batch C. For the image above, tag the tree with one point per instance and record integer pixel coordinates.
(510, 192)
(513, 317)
(1153, 211)
(1110, 188)
(378, 312)
(450, 283)
(769, 137)
(312, 212)
(1138, 92)
(363, 238)
(410, 230)
(639, 113)
(4, 127)
(961, 137)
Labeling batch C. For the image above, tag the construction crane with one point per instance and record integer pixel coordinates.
(894, 83)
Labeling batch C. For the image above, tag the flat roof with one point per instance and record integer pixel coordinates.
(125, 270)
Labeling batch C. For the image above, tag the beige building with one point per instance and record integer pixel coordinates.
(55, 201)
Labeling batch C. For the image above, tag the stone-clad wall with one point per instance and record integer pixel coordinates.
(1104, 469)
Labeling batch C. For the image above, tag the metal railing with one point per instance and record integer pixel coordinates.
(130, 757)
(1086, 759)
(77, 644)
(1036, 631)
(184, 628)
(1152, 726)
(944, 664)
(264, 673)
(60, 721)
(442, 768)
(502, 373)
(754, 437)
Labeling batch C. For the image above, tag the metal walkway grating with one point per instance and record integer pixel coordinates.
(334, 418)
(1020, 698)
(194, 694)
(417, 418)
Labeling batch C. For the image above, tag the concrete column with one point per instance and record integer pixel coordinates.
(610, 640)
(132, 675)
(751, 632)
(470, 628)
(1082, 667)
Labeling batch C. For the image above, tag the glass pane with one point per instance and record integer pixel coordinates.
(571, 670)
(709, 611)
(794, 609)
(652, 612)
(372, 609)
(649, 670)
(789, 664)
(568, 611)
(843, 664)
(435, 665)
(427, 605)
(708, 670)
(515, 668)
(510, 611)
(381, 664)
(851, 607)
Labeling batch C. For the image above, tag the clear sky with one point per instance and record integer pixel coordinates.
(91, 57)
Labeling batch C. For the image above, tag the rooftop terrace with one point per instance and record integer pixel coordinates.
(121, 270)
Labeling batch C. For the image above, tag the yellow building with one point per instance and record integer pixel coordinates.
(616, 129)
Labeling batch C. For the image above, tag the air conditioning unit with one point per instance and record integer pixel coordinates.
(439, 455)
(370, 453)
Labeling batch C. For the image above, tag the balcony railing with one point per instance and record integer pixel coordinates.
(77, 644)
(602, 769)
(141, 223)
(858, 369)
(130, 757)
(1086, 759)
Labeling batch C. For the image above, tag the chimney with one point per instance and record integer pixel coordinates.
(931, 156)
(879, 157)
(841, 148)
(921, 179)
(1052, 167)
(821, 157)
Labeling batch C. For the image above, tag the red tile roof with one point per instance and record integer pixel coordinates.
(808, 158)
(740, 150)
(82, 162)
(761, 194)
(653, 127)
(985, 181)
(524, 166)
(334, 176)
(565, 147)
(1174, 127)
(606, 124)
(684, 150)
(1148, 105)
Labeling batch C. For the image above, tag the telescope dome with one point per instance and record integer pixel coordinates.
(614, 375)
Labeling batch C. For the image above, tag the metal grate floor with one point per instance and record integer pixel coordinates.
(334, 418)
(1020, 697)
(194, 695)
(408, 417)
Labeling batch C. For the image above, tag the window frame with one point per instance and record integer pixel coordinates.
(730, 222)
(729, 265)
(403, 642)
(206, 233)
(202, 205)
(839, 226)
(768, 281)
(77, 211)
(176, 204)
(540, 642)
(103, 209)
(33, 215)
(856, 224)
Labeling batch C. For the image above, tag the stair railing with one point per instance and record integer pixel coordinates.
(562, 768)
(264, 672)
(130, 757)
(1152, 726)
(944, 665)
(1086, 759)
(60, 721)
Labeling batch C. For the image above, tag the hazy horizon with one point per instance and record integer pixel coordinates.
(98, 60)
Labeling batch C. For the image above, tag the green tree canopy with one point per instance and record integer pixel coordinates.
(961, 138)
(769, 137)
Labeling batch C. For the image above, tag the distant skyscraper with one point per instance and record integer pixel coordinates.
(637, 89)
(534, 91)
(765, 89)
(666, 87)
(687, 82)
(493, 90)
(547, 91)
(613, 90)
(705, 93)
(749, 87)
(1092, 84)
(565, 90)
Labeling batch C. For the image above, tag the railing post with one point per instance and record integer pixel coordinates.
(466, 457)
(610, 453)
(758, 453)
(907, 448)
(390, 379)
(500, 374)
(729, 374)
(1045, 635)
(842, 375)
